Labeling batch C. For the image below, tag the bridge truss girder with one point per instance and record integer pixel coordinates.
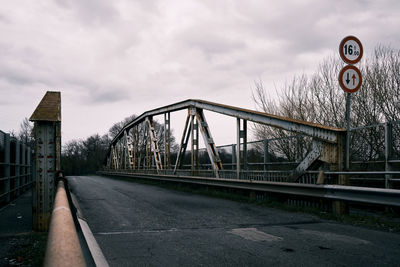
(327, 141)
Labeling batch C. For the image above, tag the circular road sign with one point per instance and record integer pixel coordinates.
(350, 79)
(351, 49)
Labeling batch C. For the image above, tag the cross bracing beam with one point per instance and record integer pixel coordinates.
(318, 131)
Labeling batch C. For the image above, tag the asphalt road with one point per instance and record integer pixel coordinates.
(143, 225)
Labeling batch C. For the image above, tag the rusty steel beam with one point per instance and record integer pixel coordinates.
(154, 143)
(322, 132)
(183, 144)
(211, 148)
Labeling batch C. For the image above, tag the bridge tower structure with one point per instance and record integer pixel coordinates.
(47, 133)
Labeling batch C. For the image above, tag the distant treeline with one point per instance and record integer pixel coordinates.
(82, 157)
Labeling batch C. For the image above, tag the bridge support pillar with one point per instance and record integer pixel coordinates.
(47, 132)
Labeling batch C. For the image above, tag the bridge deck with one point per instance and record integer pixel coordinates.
(145, 225)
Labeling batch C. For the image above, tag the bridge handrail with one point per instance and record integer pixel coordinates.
(63, 247)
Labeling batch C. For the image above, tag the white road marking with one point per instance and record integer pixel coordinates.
(137, 232)
(254, 235)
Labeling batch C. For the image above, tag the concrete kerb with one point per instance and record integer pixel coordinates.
(94, 249)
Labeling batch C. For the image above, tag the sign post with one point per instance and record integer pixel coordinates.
(350, 79)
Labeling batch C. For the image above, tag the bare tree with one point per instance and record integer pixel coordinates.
(25, 132)
(318, 98)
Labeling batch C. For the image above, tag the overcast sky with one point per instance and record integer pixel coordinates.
(111, 59)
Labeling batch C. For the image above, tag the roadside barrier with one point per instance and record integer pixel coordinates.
(63, 248)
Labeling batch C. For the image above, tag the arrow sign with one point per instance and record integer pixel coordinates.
(350, 79)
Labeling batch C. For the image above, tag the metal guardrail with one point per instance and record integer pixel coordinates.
(15, 167)
(387, 197)
(63, 247)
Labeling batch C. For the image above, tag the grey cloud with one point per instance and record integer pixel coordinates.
(4, 19)
(210, 43)
(129, 54)
(107, 96)
(91, 12)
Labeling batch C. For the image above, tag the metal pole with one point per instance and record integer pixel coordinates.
(348, 106)
(196, 154)
(244, 136)
(167, 150)
(233, 156)
(266, 155)
(388, 152)
(192, 140)
(238, 148)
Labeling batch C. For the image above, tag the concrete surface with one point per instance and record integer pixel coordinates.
(19, 245)
(144, 225)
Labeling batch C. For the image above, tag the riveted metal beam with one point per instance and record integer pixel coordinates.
(183, 144)
(325, 133)
(212, 150)
(154, 143)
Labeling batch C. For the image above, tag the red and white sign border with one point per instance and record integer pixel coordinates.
(341, 46)
(341, 73)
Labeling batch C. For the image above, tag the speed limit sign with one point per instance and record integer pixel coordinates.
(351, 49)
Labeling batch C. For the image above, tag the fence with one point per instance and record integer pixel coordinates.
(15, 168)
